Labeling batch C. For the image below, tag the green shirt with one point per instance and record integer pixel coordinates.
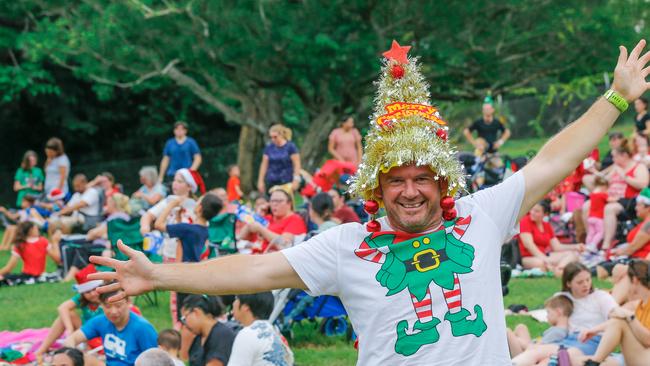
(26, 177)
(86, 312)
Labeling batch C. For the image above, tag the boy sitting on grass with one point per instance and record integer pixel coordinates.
(558, 308)
(125, 335)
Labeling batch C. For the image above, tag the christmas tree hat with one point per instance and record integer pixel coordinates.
(406, 129)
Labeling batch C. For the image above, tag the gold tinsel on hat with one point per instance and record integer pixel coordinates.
(410, 139)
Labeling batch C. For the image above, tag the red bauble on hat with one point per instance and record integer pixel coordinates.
(447, 203)
(449, 215)
(397, 71)
(373, 226)
(371, 207)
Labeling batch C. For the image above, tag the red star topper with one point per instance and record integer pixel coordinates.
(397, 53)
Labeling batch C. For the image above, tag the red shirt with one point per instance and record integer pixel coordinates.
(292, 224)
(645, 249)
(542, 238)
(33, 254)
(231, 189)
(346, 214)
(598, 202)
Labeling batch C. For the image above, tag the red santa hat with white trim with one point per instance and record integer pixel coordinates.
(55, 195)
(194, 179)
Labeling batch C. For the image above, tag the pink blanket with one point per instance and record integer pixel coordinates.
(26, 341)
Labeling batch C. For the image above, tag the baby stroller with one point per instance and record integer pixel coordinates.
(326, 312)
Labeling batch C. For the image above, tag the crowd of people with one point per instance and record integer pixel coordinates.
(174, 212)
(602, 208)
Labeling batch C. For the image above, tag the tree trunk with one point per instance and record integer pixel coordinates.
(251, 142)
(265, 108)
(313, 151)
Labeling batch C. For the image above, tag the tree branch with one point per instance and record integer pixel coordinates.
(231, 114)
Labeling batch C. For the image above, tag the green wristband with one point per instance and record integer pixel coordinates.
(617, 100)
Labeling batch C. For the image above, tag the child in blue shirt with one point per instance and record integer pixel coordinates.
(124, 334)
(192, 236)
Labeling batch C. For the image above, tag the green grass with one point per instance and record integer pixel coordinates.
(519, 147)
(34, 306)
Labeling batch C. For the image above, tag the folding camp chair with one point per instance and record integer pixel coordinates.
(129, 232)
(75, 248)
(221, 234)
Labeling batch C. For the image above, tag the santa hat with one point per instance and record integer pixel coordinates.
(193, 178)
(87, 286)
(83, 283)
(55, 195)
(406, 129)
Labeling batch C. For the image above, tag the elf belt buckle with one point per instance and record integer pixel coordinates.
(430, 260)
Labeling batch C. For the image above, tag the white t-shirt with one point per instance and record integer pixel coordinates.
(91, 197)
(259, 345)
(187, 217)
(187, 214)
(339, 262)
(590, 310)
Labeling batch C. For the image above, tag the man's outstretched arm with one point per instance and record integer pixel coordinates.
(235, 274)
(564, 152)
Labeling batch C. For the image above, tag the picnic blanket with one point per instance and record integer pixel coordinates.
(17, 348)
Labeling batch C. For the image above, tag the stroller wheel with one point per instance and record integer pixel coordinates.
(334, 326)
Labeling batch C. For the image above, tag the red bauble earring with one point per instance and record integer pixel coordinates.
(372, 207)
(447, 204)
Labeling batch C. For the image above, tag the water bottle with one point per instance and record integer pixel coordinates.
(552, 361)
(563, 358)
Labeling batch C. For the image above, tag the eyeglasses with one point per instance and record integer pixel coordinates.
(278, 201)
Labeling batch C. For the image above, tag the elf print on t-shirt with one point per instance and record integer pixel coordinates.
(413, 262)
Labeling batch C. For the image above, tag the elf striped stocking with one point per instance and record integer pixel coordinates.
(453, 297)
(423, 307)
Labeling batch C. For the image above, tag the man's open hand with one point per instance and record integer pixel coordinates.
(133, 277)
(631, 72)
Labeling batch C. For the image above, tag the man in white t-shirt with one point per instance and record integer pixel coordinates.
(258, 343)
(422, 285)
(83, 208)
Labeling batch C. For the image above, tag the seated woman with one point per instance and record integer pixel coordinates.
(33, 249)
(590, 309)
(629, 329)
(213, 340)
(151, 191)
(626, 179)
(641, 150)
(539, 246)
(117, 207)
(637, 246)
(283, 228)
(184, 185)
(106, 182)
(86, 301)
